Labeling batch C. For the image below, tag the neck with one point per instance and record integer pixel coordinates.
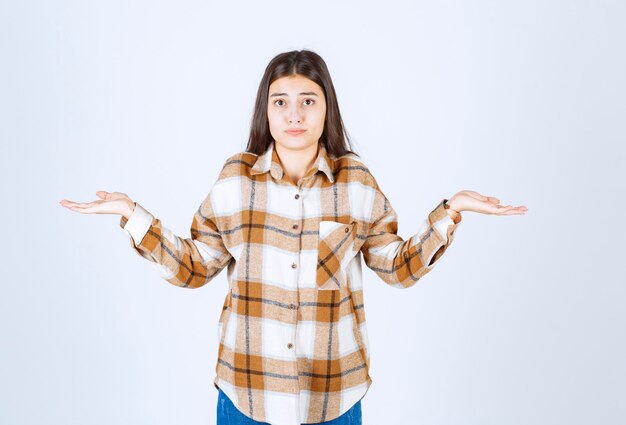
(296, 162)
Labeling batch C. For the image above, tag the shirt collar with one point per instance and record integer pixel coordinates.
(269, 161)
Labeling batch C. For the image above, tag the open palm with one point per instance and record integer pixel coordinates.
(469, 200)
(110, 203)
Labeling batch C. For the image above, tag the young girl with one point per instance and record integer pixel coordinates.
(290, 218)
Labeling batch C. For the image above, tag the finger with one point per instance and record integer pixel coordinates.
(74, 208)
(500, 209)
(512, 211)
(102, 194)
(86, 204)
(83, 209)
(80, 206)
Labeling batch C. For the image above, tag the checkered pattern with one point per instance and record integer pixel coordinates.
(293, 341)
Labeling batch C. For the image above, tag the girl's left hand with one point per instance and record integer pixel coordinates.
(468, 200)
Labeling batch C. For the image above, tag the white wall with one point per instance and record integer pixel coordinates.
(521, 323)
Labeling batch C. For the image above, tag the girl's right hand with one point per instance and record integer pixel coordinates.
(110, 203)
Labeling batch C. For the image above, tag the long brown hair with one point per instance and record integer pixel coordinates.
(310, 65)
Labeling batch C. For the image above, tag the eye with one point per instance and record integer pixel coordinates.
(278, 100)
(309, 100)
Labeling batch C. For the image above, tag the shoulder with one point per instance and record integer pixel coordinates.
(237, 164)
(352, 168)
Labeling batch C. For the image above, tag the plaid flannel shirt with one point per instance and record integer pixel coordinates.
(293, 339)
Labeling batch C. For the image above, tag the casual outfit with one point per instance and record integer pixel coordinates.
(293, 339)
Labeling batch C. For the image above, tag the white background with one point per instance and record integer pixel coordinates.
(522, 322)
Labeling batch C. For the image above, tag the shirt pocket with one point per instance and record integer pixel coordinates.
(334, 251)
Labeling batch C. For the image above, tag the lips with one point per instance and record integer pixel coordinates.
(295, 131)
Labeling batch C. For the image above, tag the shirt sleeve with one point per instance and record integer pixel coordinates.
(190, 262)
(400, 263)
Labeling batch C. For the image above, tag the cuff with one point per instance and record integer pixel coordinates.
(137, 224)
(442, 222)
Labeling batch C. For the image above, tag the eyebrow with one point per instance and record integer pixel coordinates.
(306, 93)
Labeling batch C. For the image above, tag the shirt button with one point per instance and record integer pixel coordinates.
(292, 306)
(294, 265)
(347, 229)
(290, 345)
(297, 196)
(295, 226)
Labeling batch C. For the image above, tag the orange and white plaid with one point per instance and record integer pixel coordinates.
(293, 338)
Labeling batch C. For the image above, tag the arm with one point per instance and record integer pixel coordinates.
(400, 263)
(189, 263)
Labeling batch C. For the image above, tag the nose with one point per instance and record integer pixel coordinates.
(295, 115)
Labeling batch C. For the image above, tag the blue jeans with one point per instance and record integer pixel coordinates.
(227, 414)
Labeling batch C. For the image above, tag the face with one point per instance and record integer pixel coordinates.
(296, 103)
